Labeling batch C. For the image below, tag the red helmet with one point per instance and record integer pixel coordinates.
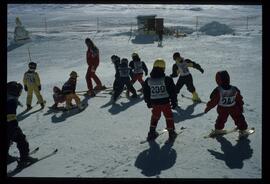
(222, 78)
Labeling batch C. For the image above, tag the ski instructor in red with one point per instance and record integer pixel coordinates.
(92, 58)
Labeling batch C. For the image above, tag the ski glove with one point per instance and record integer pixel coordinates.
(149, 105)
(174, 105)
(39, 87)
(25, 88)
(201, 70)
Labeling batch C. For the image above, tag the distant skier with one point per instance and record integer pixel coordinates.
(123, 80)
(181, 67)
(68, 90)
(160, 37)
(138, 67)
(92, 57)
(229, 101)
(160, 95)
(58, 97)
(14, 132)
(32, 84)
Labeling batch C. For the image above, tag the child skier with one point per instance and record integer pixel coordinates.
(181, 67)
(32, 84)
(58, 97)
(123, 80)
(229, 101)
(68, 90)
(138, 67)
(116, 62)
(14, 132)
(159, 94)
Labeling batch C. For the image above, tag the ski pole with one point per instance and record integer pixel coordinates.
(29, 54)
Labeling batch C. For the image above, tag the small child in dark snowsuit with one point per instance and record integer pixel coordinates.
(116, 62)
(14, 132)
(58, 97)
(123, 80)
(229, 101)
(68, 90)
(160, 95)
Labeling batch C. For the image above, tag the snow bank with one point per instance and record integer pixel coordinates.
(215, 29)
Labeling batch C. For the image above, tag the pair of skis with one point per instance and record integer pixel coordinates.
(20, 167)
(160, 133)
(224, 132)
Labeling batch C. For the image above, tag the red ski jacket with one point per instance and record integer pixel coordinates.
(215, 99)
(92, 57)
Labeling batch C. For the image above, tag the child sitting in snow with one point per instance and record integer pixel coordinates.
(58, 97)
(68, 91)
(229, 101)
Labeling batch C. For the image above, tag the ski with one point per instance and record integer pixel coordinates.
(15, 158)
(224, 132)
(187, 97)
(248, 132)
(19, 168)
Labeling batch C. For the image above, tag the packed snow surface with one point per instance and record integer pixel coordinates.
(104, 140)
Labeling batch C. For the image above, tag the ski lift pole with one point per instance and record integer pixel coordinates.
(29, 55)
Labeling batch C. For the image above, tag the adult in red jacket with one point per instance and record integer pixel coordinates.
(229, 101)
(92, 58)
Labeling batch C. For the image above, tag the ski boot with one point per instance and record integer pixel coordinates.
(152, 135)
(28, 107)
(42, 105)
(172, 135)
(54, 106)
(134, 95)
(98, 88)
(195, 97)
(25, 161)
(216, 132)
(243, 134)
(91, 93)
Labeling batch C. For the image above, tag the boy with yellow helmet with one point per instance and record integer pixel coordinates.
(159, 94)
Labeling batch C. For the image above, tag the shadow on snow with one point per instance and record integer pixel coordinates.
(183, 114)
(72, 112)
(233, 155)
(155, 159)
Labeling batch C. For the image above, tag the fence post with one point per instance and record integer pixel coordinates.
(45, 21)
(97, 25)
(247, 22)
(197, 26)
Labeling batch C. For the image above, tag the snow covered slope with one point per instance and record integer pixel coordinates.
(104, 140)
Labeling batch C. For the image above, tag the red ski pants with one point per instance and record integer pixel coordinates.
(235, 113)
(137, 77)
(167, 111)
(89, 76)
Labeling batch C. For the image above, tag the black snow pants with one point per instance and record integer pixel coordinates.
(185, 80)
(15, 134)
(119, 84)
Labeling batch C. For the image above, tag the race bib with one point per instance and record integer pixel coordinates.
(157, 88)
(138, 67)
(30, 78)
(183, 68)
(227, 97)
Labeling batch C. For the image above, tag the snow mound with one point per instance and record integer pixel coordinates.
(215, 29)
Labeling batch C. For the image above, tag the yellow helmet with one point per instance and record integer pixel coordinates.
(73, 74)
(134, 54)
(160, 63)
